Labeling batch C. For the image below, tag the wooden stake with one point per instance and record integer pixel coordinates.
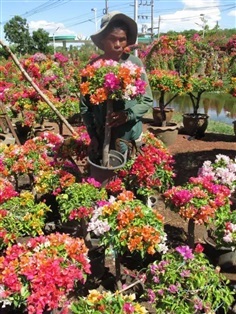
(29, 79)
(107, 139)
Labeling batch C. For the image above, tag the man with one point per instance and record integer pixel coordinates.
(117, 32)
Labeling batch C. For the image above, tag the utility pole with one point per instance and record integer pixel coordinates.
(204, 22)
(152, 17)
(151, 4)
(136, 20)
(159, 24)
(53, 38)
(105, 11)
(95, 18)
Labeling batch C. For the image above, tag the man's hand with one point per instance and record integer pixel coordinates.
(118, 118)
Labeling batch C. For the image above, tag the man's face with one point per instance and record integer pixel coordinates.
(114, 44)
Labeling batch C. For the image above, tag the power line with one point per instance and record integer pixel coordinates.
(50, 4)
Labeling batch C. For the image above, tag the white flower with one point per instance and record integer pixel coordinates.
(228, 237)
(4, 302)
(98, 227)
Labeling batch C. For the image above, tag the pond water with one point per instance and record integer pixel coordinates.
(219, 107)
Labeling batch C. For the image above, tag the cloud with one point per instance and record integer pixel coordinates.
(50, 27)
(232, 13)
(194, 15)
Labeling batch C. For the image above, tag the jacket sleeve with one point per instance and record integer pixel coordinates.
(87, 116)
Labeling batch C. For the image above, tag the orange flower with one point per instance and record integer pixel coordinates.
(99, 97)
(84, 88)
(126, 196)
(88, 71)
(124, 73)
(159, 216)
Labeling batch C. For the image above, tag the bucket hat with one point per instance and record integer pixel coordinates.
(111, 17)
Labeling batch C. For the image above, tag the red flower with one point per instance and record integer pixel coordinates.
(199, 248)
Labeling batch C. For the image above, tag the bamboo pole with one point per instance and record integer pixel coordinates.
(44, 97)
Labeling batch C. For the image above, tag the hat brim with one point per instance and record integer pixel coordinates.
(132, 26)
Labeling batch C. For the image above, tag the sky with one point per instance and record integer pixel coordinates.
(81, 18)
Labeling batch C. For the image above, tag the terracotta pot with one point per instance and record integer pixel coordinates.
(156, 113)
(38, 130)
(195, 125)
(167, 134)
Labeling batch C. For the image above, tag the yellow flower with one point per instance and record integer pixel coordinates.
(139, 309)
(94, 296)
(27, 217)
(26, 196)
(109, 209)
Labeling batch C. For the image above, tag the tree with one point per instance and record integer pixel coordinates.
(17, 32)
(41, 40)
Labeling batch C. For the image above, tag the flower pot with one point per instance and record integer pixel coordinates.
(167, 134)
(234, 123)
(223, 256)
(97, 261)
(195, 125)
(73, 228)
(233, 201)
(102, 174)
(22, 130)
(38, 130)
(156, 113)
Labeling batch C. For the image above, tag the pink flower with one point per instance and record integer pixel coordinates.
(111, 82)
(173, 289)
(185, 251)
(128, 308)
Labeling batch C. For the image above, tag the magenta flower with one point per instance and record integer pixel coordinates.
(128, 308)
(185, 251)
(181, 197)
(173, 289)
(151, 296)
(111, 82)
(185, 273)
(141, 86)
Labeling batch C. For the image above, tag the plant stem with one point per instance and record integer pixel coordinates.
(118, 272)
(191, 230)
(107, 139)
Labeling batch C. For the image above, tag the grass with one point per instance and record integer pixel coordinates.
(213, 126)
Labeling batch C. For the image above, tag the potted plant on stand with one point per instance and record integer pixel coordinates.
(184, 281)
(150, 172)
(195, 123)
(197, 201)
(164, 82)
(222, 170)
(109, 81)
(76, 205)
(40, 275)
(20, 217)
(126, 224)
